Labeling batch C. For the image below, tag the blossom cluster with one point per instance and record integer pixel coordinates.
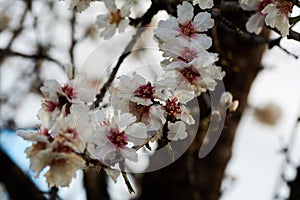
(274, 13)
(74, 134)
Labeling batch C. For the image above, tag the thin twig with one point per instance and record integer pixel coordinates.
(8, 52)
(143, 21)
(73, 42)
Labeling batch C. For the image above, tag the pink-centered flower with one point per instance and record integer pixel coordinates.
(186, 25)
(273, 13)
(277, 15)
(80, 5)
(110, 143)
(115, 19)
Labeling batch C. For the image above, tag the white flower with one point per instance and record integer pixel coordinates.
(277, 16)
(168, 88)
(116, 18)
(54, 152)
(109, 143)
(227, 103)
(256, 21)
(273, 13)
(173, 101)
(68, 131)
(50, 89)
(177, 131)
(80, 5)
(198, 77)
(74, 91)
(174, 111)
(135, 89)
(186, 25)
(182, 53)
(204, 4)
(135, 95)
(63, 168)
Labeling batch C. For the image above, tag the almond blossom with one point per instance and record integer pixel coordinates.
(204, 4)
(277, 15)
(175, 110)
(186, 25)
(115, 19)
(109, 142)
(198, 77)
(80, 5)
(135, 95)
(181, 53)
(256, 21)
(74, 91)
(57, 152)
(273, 13)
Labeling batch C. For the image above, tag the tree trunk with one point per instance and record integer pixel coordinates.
(190, 177)
(18, 185)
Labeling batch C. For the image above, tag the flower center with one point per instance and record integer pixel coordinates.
(49, 105)
(47, 134)
(115, 17)
(187, 55)
(284, 7)
(172, 108)
(119, 139)
(187, 29)
(190, 74)
(61, 147)
(72, 131)
(69, 91)
(145, 91)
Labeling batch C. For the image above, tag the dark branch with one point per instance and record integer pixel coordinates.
(18, 185)
(7, 52)
(140, 24)
(73, 42)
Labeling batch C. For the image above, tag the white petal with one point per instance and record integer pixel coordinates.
(113, 173)
(255, 23)
(204, 4)
(109, 31)
(185, 12)
(102, 21)
(249, 5)
(203, 40)
(86, 95)
(137, 133)
(203, 21)
(122, 25)
(177, 131)
(129, 154)
(124, 119)
(110, 5)
(184, 96)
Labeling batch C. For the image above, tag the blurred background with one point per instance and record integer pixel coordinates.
(37, 38)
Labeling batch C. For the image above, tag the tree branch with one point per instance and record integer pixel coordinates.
(140, 23)
(8, 52)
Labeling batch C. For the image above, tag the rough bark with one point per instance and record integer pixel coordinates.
(190, 177)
